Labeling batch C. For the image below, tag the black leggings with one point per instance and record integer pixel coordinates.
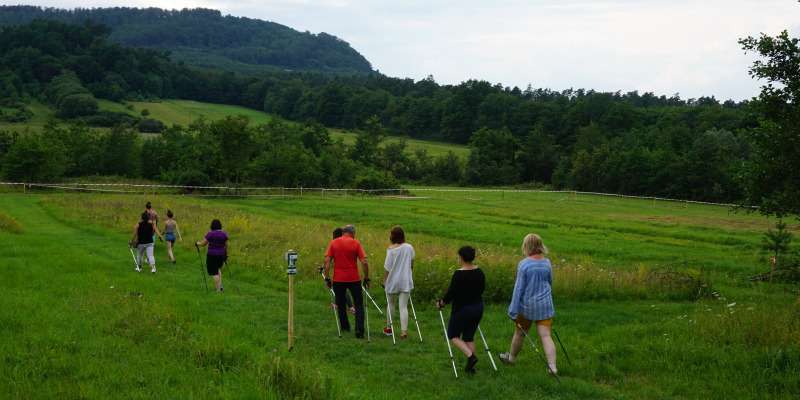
(340, 291)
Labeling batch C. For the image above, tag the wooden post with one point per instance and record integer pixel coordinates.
(291, 312)
(291, 270)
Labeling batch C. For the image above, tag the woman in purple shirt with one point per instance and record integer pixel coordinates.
(217, 241)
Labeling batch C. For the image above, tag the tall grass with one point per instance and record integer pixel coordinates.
(258, 242)
(9, 224)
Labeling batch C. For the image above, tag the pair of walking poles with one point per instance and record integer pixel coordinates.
(450, 348)
(203, 270)
(489, 353)
(366, 312)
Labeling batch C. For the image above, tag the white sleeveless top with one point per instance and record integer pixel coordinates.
(398, 264)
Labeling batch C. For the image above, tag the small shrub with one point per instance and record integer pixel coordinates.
(148, 125)
(287, 380)
(9, 224)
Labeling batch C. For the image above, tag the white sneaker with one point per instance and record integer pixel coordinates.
(153, 270)
(137, 269)
(506, 358)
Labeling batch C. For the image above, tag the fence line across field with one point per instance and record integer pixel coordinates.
(393, 193)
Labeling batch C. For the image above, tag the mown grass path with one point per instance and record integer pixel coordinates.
(78, 322)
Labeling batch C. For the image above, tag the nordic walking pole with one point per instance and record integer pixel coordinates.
(486, 346)
(202, 272)
(366, 314)
(562, 346)
(414, 313)
(536, 350)
(446, 340)
(333, 303)
(389, 314)
(291, 270)
(371, 299)
(135, 261)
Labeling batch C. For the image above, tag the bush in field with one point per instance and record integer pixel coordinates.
(77, 105)
(108, 119)
(149, 125)
(9, 224)
(372, 179)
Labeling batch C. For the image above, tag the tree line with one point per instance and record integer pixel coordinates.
(627, 143)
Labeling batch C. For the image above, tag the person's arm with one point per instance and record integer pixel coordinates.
(516, 295)
(387, 267)
(202, 243)
(451, 292)
(135, 233)
(327, 265)
(362, 257)
(155, 229)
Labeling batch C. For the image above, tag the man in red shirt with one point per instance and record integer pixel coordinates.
(346, 252)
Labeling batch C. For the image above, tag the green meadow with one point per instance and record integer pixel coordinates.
(653, 300)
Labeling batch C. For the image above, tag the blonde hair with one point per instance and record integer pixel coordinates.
(532, 244)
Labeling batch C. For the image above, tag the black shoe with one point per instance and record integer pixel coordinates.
(470, 367)
(360, 335)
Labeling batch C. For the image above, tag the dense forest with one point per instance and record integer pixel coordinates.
(206, 38)
(627, 143)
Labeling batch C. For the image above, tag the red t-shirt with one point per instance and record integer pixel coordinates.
(345, 251)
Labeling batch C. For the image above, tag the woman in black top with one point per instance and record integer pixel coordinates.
(144, 234)
(465, 292)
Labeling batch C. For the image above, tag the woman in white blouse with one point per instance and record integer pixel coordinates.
(397, 279)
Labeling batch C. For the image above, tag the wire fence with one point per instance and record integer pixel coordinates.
(414, 193)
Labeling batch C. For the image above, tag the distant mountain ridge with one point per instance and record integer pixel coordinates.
(206, 38)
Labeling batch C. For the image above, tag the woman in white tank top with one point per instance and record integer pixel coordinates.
(397, 279)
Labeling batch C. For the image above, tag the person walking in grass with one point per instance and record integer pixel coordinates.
(217, 241)
(337, 233)
(532, 301)
(171, 233)
(344, 253)
(144, 234)
(397, 279)
(466, 295)
(152, 216)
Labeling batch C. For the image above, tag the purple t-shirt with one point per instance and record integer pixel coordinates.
(217, 243)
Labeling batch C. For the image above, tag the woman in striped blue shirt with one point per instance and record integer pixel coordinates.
(532, 301)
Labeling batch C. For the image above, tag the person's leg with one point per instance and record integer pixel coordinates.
(139, 256)
(547, 344)
(404, 312)
(391, 299)
(169, 251)
(463, 346)
(339, 293)
(517, 341)
(218, 281)
(358, 302)
(151, 258)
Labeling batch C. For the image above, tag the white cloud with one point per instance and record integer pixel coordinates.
(661, 46)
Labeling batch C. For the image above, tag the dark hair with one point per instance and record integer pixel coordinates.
(148, 205)
(350, 228)
(467, 253)
(145, 217)
(397, 236)
(216, 225)
(337, 233)
(169, 213)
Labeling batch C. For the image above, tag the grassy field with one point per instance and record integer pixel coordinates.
(78, 322)
(184, 112)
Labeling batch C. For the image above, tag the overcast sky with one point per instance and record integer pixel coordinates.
(664, 46)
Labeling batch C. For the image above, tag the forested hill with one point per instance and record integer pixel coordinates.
(206, 38)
